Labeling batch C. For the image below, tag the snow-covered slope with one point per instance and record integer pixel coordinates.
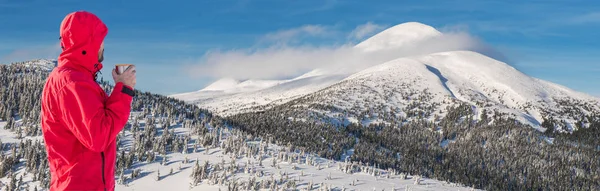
(423, 86)
(175, 173)
(470, 74)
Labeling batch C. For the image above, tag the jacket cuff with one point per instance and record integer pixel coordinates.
(122, 88)
(128, 90)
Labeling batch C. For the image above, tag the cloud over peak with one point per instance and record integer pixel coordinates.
(365, 30)
(288, 61)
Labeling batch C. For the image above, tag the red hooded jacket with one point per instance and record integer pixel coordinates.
(80, 122)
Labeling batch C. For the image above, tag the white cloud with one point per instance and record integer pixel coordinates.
(277, 62)
(291, 34)
(269, 63)
(362, 31)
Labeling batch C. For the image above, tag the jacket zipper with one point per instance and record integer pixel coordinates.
(103, 180)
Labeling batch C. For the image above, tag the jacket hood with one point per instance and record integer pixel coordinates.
(81, 34)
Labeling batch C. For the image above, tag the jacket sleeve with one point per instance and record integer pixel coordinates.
(92, 119)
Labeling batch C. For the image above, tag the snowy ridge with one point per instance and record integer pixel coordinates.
(222, 85)
(229, 85)
(313, 73)
(232, 102)
(227, 88)
(46, 64)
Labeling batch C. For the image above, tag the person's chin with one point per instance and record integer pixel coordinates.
(101, 56)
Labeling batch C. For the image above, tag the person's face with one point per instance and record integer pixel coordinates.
(101, 53)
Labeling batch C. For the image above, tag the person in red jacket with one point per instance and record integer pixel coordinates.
(80, 122)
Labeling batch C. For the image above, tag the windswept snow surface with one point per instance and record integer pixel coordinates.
(180, 179)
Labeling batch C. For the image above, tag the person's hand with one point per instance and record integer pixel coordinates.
(127, 77)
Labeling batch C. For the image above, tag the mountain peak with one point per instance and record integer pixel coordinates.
(398, 36)
(411, 26)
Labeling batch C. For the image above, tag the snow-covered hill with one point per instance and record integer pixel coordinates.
(423, 86)
(417, 86)
(270, 163)
(237, 99)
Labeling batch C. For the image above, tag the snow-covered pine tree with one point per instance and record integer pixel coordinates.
(164, 160)
(122, 178)
(417, 180)
(157, 178)
(12, 185)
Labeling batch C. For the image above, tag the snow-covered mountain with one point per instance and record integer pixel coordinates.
(423, 86)
(228, 96)
(414, 86)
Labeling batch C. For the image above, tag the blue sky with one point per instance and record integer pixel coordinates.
(553, 40)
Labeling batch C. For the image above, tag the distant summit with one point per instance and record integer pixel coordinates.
(399, 35)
